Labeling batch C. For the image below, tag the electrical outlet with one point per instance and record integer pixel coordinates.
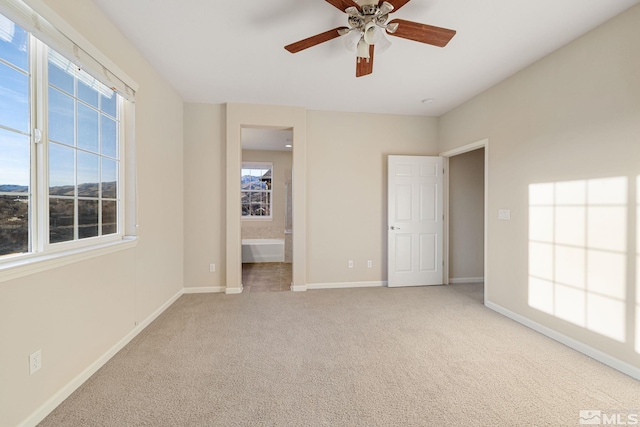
(350, 263)
(35, 362)
(369, 264)
(212, 268)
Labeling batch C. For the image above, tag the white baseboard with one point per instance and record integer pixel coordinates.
(596, 354)
(66, 391)
(230, 291)
(345, 285)
(298, 288)
(204, 290)
(466, 280)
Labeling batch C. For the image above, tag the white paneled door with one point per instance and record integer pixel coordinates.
(415, 216)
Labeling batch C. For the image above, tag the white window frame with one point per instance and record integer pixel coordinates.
(42, 159)
(259, 165)
(42, 255)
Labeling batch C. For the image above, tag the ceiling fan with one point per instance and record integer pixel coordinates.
(367, 21)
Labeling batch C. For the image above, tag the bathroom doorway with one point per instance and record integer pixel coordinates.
(241, 116)
(266, 209)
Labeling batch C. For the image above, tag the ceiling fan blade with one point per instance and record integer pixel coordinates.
(314, 40)
(343, 4)
(422, 33)
(365, 66)
(397, 4)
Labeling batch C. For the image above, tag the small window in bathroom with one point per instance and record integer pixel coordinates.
(255, 190)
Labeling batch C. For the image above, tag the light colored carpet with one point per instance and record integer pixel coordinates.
(432, 356)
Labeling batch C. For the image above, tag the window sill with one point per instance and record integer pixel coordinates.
(257, 218)
(25, 266)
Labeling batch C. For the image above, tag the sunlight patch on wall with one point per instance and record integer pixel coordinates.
(638, 264)
(578, 253)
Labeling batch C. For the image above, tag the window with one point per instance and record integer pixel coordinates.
(15, 150)
(83, 154)
(60, 150)
(255, 190)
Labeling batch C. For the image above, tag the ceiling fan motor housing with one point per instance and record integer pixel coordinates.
(370, 9)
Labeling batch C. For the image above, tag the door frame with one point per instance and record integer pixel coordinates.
(483, 143)
(268, 117)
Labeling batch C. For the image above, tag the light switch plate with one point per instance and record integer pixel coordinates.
(504, 214)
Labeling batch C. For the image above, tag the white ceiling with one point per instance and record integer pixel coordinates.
(233, 51)
(266, 139)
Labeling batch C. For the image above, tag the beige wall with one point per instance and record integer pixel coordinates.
(347, 189)
(273, 228)
(204, 194)
(573, 115)
(76, 313)
(466, 215)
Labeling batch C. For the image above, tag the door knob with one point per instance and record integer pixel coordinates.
(394, 228)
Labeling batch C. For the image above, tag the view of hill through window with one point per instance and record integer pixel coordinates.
(14, 216)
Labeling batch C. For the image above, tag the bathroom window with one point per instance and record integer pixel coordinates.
(255, 190)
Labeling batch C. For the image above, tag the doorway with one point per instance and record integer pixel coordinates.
(241, 116)
(266, 209)
(466, 215)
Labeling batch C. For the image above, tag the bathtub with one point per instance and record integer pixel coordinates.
(262, 250)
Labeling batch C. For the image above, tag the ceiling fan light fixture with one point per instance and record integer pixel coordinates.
(382, 42)
(351, 40)
(386, 8)
(392, 28)
(370, 32)
(363, 49)
(352, 10)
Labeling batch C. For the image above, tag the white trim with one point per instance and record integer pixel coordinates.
(204, 290)
(51, 404)
(265, 117)
(466, 148)
(466, 280)
(343, 285)
(25, 266)
(483, 143)
(598, 355)
(59, 23)
(232, 291)
(298, 288)
(445, 225)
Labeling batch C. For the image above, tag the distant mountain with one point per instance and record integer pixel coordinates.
(84, 190)
(248, 182)
(10, 188)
